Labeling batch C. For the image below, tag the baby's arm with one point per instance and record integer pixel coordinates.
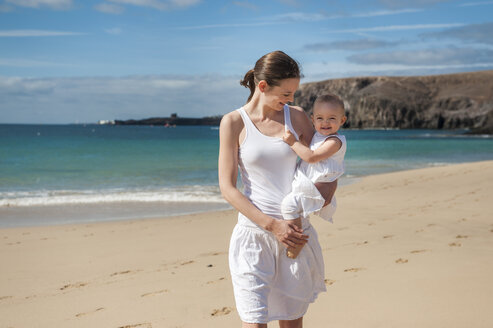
(327, 149)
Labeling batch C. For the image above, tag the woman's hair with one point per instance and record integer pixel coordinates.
(272, 68)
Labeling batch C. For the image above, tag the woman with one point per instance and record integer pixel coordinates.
(267, 284)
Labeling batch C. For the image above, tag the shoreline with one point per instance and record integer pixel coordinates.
(407, 249)
(88, 213)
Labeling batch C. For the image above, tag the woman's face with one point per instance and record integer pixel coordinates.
(277, 96)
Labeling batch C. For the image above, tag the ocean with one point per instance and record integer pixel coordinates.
(55, 174)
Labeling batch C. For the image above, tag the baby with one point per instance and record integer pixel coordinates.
(323, 162)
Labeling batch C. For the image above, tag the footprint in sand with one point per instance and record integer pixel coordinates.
(78, 315)
(419, 251)
(455, 244)
(329, 282)
(187, 262)
(400, 261)
(362, 243)
(155, 293)
(354, 269)
(218, 312)
(123, 272)
(387, 236)
(213, 253)
(74, 285)
(214, 281)
(139, 325)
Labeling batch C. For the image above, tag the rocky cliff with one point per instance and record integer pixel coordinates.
(463, 100)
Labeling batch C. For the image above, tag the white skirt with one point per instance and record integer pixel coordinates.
(267, 284)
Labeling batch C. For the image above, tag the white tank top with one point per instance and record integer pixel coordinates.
(267, 165)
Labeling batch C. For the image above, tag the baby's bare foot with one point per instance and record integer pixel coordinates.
(293, 252)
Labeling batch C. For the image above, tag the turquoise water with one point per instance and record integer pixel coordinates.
(94, 165)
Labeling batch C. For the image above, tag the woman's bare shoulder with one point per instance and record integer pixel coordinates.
(299, 116)
(297, 109)
(232, 121)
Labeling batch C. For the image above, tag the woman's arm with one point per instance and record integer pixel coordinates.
(229, 132)
(302, 125)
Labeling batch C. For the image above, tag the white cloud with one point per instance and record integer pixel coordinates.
(299, 17)
(5, 8)
(18, 62)
(473, 4)
(397, 28)
(351, 45)
(427, 57)
(184, 3)
(386, 12)
(294, 3)
(109, 8)
(407, 3)
(114, 30)
(35, 33)
(156, 4)
(317, 71)
(311, 17)
(88, 99)
(54, 4)
(143, 3)
(245, 4)
(200, 27)
(481, 33)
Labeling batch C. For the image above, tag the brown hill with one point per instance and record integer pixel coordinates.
(463, 100)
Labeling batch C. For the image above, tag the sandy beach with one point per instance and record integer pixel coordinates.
(407, 249)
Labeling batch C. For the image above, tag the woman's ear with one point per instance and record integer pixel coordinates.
(262, 85)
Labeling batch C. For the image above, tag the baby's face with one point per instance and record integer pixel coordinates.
(327, 118)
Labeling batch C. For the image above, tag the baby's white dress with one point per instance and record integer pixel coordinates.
(304, 198)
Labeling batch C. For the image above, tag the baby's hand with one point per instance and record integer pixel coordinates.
(288, 137)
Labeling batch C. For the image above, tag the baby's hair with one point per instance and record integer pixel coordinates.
(331, 99)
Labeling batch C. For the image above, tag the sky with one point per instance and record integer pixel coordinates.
(74, 61)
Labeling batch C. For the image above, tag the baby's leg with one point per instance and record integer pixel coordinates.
(327, 190)
(291, 209)
(293, 252)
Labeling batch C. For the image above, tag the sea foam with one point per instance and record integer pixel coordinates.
(196, 193)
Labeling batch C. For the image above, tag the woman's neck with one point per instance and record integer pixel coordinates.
(258, 108)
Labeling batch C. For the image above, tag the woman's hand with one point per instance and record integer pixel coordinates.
(288, 233)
